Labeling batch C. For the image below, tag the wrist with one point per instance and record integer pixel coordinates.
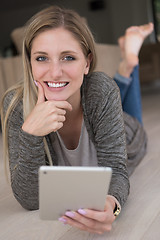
(116, 210)
(115, 204)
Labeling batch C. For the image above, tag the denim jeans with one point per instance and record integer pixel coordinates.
(130, 93)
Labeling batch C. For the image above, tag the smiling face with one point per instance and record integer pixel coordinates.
(59, 64)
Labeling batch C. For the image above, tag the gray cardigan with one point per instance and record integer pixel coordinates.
(103, 118)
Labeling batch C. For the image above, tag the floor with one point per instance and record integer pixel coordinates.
(140, 218)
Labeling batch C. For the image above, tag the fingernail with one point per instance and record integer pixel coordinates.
(81, 211)
(70, 214)
(62, 220)
(36, 83)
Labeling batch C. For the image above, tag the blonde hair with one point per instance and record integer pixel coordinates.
(49, 18)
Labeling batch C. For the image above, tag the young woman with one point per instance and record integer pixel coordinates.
(63, 113)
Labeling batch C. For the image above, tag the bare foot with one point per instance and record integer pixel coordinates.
(130, 45)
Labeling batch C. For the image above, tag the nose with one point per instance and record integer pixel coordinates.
(55, 70)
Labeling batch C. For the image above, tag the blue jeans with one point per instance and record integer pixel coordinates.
(130, 94)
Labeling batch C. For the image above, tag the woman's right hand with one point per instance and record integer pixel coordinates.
(47, 116)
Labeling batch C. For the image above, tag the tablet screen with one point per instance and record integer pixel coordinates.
(71, 188)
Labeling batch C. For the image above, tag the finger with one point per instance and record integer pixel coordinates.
(58, 107)
(86, 224)
(61, 111)
(79, 225)
(57, 126)
(56, 122)
(93, 224)
(63, 105)
(101, 216)
(41, 96)
(58, 118)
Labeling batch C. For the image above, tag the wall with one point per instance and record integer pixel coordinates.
(107, 24)
(125, 13)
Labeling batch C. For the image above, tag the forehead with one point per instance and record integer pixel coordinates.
(58, 37)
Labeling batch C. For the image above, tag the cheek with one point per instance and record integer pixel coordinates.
(38, 71)
(34, 70)
(76, 75)
(77, 71)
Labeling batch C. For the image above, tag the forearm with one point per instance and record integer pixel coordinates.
(119, 188)
(119, 185)
(26, 155)
(111, 147)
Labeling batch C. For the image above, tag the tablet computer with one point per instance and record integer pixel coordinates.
(63, 188)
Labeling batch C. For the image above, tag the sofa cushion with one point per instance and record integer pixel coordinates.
(108, 58)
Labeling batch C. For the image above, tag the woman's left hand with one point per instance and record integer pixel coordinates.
(91, 220)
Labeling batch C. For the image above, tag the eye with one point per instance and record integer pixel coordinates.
(41, 59)
(68, 58)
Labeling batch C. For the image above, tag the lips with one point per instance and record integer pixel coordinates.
(56, 85)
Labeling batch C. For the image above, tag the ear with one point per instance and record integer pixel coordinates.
(88, 63)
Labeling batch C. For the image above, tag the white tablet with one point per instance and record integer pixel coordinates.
(71, 188)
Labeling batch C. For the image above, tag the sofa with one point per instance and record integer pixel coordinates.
(11, 68)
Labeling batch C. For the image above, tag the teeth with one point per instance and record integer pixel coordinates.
(56, 85)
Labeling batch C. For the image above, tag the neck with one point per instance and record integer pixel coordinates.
(71, 130)
(75, 101)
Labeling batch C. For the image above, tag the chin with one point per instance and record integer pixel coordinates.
(54, 97)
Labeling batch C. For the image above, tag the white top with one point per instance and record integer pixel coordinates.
(84, 155)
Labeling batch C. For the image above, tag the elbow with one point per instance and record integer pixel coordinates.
(27, 201)
(28, 204)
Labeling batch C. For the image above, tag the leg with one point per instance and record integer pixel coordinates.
(130, 94)
(123, 84)
(128, 73)
(132, 101)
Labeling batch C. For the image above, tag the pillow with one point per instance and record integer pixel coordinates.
(17, 38)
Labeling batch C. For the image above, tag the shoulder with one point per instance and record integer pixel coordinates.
(100, 79)
(100, 97)
(12, 101)
(98, 85)
(7, 98)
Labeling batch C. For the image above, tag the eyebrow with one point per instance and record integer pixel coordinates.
(64, 52)
(40, 52)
